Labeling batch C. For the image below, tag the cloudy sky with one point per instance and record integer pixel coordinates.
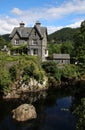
(54, 14)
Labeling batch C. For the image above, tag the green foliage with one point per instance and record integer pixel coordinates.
(6, 37)
(70, 71)
(20, 67)
(4, 79)
(62, 35)
(19, 49)
(79, 112)
(79, 44)
(12, 71)
(28, 70)
(83, 27)
(54, 48)
(33, 71)
(2, 42)
(51, 69)
(67, 48)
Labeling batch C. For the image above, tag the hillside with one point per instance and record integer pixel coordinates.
(6, 37)
(4, 40)
(62, 35)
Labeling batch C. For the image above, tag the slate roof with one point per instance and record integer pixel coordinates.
(24, 32)
(61, 56)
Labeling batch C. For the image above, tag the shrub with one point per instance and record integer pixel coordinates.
(12, 71)
(32, 70)
(49, 67)
(70, 71)
(79, 112)
(4, 79)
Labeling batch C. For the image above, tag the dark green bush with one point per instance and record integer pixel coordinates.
(12, 71)
(49, 67)
(4, 79)
(79, 112)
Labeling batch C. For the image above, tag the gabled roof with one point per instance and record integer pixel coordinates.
(24, 32)
(38, 29)
(61, 56)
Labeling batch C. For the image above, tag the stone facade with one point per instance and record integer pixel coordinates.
(61, 58)
(34, 37)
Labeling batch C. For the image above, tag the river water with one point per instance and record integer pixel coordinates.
(54, 109)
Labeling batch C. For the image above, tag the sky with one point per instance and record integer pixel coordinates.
(53, 14)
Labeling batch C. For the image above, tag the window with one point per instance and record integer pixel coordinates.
(35, 51)
(34, 42)
(17, 42)
(45, 51)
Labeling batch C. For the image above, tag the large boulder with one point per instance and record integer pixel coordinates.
(24, 112)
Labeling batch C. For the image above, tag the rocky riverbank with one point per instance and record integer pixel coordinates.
(18, 88)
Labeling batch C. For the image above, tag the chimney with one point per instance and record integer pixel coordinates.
(37, 23)
(22, 25)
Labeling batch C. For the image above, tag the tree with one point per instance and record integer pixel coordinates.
(54, 48)
(79, 44)
(83, 27)
(2, 42)
(79, 112)
(67, 47)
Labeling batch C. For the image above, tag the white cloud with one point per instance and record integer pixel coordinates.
(47, 13)
(53, 12)
(75, 25)
(7, 24)
(16, 11)
(52, 29)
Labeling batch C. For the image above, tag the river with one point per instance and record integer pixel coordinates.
(54, 109)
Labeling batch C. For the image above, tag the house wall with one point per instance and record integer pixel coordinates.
(62, 61)
(35, 43)
(16, 38)
(44, 47)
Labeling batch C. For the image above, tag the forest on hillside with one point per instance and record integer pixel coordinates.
(63, 35)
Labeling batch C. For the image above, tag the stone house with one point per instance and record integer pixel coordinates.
(35, 39)
(61, 58)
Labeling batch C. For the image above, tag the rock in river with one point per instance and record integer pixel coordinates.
(24, 112)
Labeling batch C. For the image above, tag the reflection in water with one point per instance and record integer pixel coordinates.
(59, 116)
(53, 109)
(7, 124)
